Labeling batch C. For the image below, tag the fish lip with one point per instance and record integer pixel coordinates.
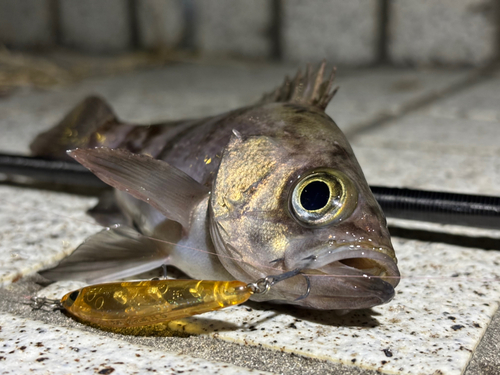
(350, 287)
(329, 257)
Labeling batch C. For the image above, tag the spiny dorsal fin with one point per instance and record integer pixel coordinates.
(308, 89)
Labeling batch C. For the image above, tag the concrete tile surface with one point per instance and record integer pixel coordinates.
(485, 358)
(42, 349)
(26, 215)
(342, 32)
(466, 160)
(192, 90)
(479, 103)
(161, 23)
(96, 26)
(444, 32)
(234, 28)
(450, 145)
(15, 298)
(447, 297)
(431, 307)
(26, 24)
(444, 303)
(365, 96)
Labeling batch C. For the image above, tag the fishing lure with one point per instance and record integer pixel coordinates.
(148, 302)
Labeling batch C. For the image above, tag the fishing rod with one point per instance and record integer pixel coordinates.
(440, 207)
(49, 170)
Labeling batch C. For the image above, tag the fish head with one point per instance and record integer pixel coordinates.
(290, 195)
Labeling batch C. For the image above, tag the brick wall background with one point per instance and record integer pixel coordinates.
(354, 32)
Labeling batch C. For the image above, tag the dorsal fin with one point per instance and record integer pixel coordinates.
(308, 89)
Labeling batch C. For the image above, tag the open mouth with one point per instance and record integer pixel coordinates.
(369, 263)
(352, 277)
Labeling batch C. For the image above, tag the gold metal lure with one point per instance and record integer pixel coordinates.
(140, 303)
(146, 303)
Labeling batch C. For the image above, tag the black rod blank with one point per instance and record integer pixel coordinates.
(49, 171)
(445, 208)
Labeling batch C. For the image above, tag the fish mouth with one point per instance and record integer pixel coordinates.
(350, 277)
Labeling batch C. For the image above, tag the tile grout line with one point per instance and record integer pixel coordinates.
(383, 23)
(472, 79)
(480, 353)
(133, 19)
(276, 30)
(496, 18)
(55, 22)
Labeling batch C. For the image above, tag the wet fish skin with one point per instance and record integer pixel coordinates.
(250, 159)
(250, 197)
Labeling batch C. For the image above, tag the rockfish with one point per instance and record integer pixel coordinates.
(261, 190)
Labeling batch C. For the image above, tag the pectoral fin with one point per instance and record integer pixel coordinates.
(166, 188)
(112, 254)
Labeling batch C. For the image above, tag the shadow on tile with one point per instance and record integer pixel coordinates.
(356, 318)
(485, 243)
(177, 328)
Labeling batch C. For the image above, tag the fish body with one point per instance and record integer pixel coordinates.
(261, 190)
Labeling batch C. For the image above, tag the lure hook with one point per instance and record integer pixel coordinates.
(38, 303)
(308, 291)
(262, 286)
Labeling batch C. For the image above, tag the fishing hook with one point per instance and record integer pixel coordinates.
(38, 303)
(262, 286)
(308, 291)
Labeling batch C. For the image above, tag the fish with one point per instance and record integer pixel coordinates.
(272, 188)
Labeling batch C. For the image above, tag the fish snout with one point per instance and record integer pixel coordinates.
(352, 276)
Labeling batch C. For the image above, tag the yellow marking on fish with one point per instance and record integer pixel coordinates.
(101, 138)
(245, 167)
(207, 160)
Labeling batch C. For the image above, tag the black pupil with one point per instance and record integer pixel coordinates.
(74, 295)
(315, 196)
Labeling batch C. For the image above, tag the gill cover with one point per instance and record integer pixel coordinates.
(246, 205)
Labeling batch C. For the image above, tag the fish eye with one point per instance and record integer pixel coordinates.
(322, 197)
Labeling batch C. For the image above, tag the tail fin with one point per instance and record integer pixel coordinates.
(74, 130)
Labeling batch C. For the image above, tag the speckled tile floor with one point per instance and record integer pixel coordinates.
(444, 304)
